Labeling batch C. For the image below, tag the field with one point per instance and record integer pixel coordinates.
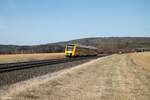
(142, 60)
(29, 57)
(115, 77)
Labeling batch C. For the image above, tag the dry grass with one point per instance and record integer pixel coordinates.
(109, 78)
(29, 57)
(142, 60)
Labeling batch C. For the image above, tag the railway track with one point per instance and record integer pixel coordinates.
(24, 65)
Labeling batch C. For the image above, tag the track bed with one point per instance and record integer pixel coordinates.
(15, 72)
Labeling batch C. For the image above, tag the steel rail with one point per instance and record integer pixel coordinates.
(24, 65)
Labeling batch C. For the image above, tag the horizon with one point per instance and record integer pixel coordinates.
(34, 22)
(71, 40)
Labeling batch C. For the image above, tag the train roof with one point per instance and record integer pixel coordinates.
(83, 46)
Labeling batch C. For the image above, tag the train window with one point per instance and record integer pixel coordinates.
(69, 48)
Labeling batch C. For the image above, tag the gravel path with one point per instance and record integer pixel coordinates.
(114, 77)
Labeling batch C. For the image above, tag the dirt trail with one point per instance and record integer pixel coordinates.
(114, 77)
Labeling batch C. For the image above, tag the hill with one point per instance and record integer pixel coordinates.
(104, 45)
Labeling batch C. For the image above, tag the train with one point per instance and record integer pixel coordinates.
(75, 50)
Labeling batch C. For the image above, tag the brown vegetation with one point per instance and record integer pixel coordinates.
(142, 60)
(29, 57)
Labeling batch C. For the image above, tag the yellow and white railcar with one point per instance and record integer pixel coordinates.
(73, 50)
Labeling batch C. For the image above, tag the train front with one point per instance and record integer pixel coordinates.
(70, 50)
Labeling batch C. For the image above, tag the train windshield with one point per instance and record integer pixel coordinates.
(69, 47)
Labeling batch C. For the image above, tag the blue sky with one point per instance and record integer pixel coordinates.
(27, 22)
